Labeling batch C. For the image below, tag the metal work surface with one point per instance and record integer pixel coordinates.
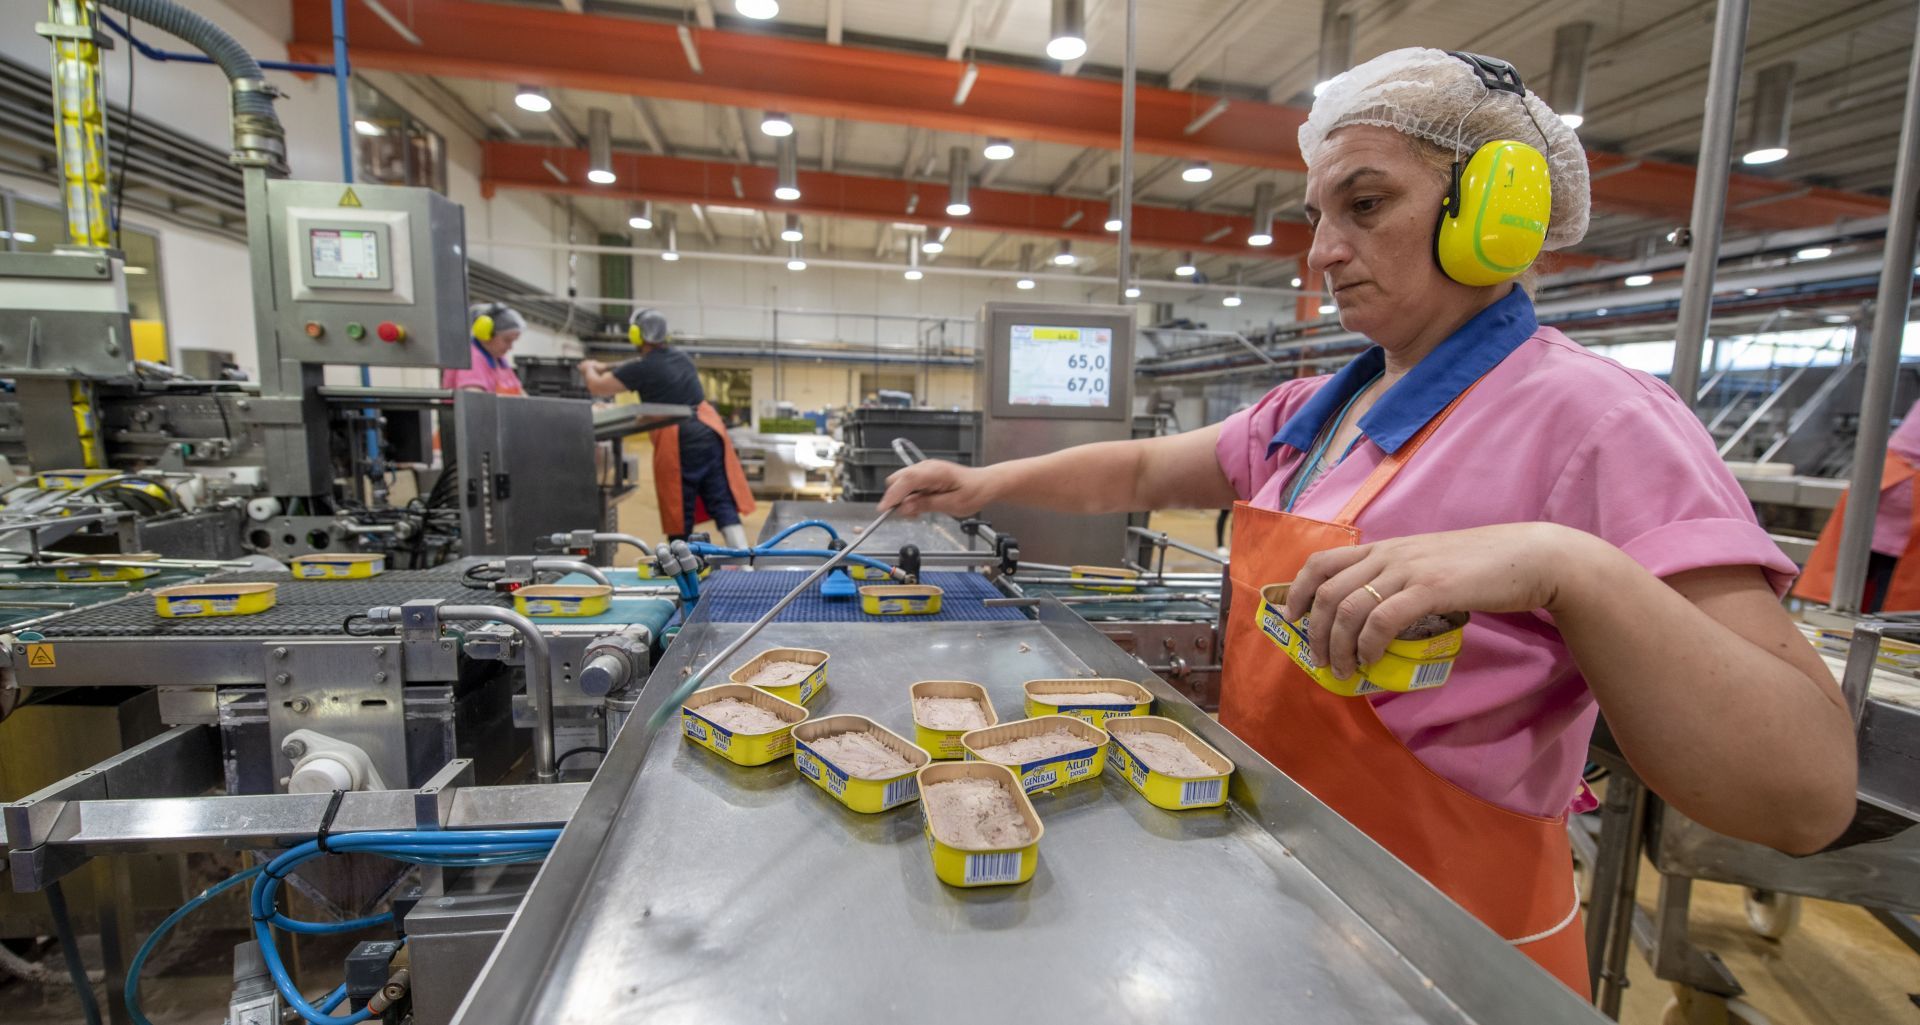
(301, 607)
(731, 596)
(931, 533)
(1145, 601)
(690, 889)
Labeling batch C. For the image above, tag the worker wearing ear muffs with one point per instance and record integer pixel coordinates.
(1473, 460)
(494, 327)
(695, 469)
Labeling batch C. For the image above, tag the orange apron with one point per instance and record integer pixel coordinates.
(1903, 591)
(666, 473)
(1512, 871)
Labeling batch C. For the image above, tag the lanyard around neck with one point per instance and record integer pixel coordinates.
(1319, 451)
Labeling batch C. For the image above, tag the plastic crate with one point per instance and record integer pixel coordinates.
(930, 429)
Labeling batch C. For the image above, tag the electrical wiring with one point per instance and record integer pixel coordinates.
(796, 528)
(444, 848)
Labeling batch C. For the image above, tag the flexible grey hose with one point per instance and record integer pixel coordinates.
(209, 39)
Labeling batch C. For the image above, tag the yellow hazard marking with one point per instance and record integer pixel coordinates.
(40, 656)
(347, 198)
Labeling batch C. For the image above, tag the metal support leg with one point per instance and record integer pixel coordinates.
(1671, 952)
(1616, 872)
(115, 908)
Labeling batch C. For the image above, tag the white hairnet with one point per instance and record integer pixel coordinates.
(1433, 95)
(505, 318)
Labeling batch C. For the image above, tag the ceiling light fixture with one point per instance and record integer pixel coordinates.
(758, 10)
(998, 149)
(1063, 257)
(1231, 300)
(365, 127)
(667, 221)
(1336, 48)
(1067, 35)
(1567, 91)
(787, 184)
(600, 146)
(532, 99)
(776, 124)
(957, 205)
(641, 219)
(1814, 253)
(1186, 268)
(1197, 172)
(1772, 113)
(1262, 233)
(792, 232)
(794, 262)
(1637, 280)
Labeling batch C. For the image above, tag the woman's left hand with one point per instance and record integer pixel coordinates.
(1512, 567)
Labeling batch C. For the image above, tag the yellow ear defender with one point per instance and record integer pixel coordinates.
(483, 324)
(634, 335)
(1493, 221)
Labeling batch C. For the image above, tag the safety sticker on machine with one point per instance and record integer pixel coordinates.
(40, 656)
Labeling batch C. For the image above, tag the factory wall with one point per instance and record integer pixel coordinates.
(206, 277)
(863, 312)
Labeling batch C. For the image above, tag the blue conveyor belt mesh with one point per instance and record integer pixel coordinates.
(732, 596)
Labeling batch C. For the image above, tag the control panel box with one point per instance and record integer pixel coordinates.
(373, 274)
(1052, 376)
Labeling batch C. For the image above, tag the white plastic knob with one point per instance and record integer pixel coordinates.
(321, 774)
(261, 509)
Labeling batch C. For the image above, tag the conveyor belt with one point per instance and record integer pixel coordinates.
(733, 596)
(301, 607)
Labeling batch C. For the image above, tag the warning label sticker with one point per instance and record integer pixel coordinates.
(40, 656)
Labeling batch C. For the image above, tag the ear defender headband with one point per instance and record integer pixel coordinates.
(1493, 221)
(483, 324)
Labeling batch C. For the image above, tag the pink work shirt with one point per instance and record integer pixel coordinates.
(1553, 432)
(1895, 520)
(485, 373)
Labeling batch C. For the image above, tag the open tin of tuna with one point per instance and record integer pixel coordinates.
(864, 794)
(1204, 786)
(742, 747)
(959, 862)
(1081, 756)
(1094, 700)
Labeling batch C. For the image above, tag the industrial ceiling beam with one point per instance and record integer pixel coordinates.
(1662, 190)
(552, 48)
(674, 179)
(1231, 26)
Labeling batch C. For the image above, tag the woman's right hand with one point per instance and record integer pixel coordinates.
(940, 487)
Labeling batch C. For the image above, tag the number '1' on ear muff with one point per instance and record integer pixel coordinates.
(1493, 222)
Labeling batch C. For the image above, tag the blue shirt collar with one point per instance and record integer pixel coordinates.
(484, 354)
(1446, 372)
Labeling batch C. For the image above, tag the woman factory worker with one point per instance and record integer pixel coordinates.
(1473, 460)
(495, 327)
(695, 470)
(1893, 579)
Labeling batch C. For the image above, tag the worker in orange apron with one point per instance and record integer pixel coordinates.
(1893, 579)
(696, 472)
(1473, 460)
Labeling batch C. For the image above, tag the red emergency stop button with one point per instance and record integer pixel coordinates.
(315, 329)
(391, 332)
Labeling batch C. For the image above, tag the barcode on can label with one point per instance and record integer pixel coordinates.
(1431, 675)
(993, 868)
(900, 791)
(1199, 791)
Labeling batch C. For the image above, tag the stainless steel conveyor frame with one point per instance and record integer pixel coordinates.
(687, 887)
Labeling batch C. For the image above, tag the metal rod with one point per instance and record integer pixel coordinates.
(692, 683)
(1095, 599)
(57, 606)
(1883, 359)
(1129, 72)
(1161, 540)
(1709, 197)
(539, 677)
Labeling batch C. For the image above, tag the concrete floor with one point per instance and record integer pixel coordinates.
(1837, 967)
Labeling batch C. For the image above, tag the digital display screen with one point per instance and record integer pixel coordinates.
(345, 254)
(1060, 366)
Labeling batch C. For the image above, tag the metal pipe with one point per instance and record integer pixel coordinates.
(539, 677)
(1129, 72)
(1883, 358)
(1709, 197)
(572, 566)
(344, 103)
(1161, 540)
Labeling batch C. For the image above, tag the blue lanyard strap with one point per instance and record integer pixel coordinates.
(1305, 473)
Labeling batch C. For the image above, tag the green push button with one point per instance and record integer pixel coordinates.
(355, 330)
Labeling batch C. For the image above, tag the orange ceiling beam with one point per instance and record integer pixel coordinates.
(1653, 188)
(513, 165)
(502, 43)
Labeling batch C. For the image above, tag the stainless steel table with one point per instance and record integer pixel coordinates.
(688, 889)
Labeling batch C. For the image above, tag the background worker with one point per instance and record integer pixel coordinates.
(495, 327)
(1474, 460)
(695, 470)
(1893, 579)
